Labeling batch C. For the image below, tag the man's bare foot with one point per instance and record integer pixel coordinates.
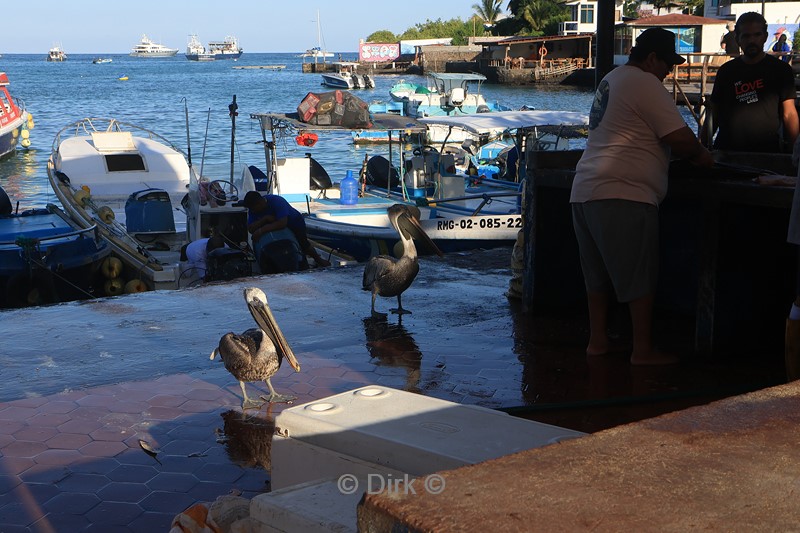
(653, 358)
(607, 348)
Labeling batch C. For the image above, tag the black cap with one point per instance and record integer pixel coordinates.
(250, 199)
(662, 42)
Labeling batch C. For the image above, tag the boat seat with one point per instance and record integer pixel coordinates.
(457, 96)
(149, 211)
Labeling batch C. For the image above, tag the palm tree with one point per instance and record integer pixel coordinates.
(488, 11)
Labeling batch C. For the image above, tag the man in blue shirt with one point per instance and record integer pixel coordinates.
(272, 213)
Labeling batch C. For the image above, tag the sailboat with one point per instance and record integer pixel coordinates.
(317, 52)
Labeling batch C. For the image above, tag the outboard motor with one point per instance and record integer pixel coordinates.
(378, 172)
(318, 176)
(225, 264)
(369, 83)
(5, 203)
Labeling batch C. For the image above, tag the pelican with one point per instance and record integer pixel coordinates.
(256, 354)
(386, 276)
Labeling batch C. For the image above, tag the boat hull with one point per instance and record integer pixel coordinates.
(213, 57)
(45, 259)
(10, 135)
(335, 81)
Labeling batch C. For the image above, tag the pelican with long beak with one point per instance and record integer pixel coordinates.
(256, 354)
(386, 276)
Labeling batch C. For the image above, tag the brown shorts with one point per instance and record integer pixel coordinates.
(618, 244)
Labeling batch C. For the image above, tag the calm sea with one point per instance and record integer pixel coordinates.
(58, 94)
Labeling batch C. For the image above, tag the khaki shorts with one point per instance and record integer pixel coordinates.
(618, 244)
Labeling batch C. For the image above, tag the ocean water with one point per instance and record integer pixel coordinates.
(158, 91)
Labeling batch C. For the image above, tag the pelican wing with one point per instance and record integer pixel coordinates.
(377, 267)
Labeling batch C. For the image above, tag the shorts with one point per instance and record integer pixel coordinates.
(618, 245)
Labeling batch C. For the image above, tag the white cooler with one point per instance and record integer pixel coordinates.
(379, 430)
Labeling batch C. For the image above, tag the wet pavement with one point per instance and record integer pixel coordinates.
(87, 385)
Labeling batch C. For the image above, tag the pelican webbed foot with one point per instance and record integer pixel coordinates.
(400, 311)
(378, 316)
(278, 398)
(274, 397)
(248, 403)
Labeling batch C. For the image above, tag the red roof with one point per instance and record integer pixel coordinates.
(674, 20)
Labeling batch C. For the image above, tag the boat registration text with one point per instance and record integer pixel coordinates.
(468, 223)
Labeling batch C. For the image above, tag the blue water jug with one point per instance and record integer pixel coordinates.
(348, 190)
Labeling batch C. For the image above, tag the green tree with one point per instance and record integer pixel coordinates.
(694, 7)
(456, 28)
(382, 36)
(488, 11)
(533, 17)
(543, 16)
(630, 8)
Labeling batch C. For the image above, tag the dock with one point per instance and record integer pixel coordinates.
(114, 371)
(260, 67)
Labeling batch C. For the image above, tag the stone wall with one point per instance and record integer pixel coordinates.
(435, 58)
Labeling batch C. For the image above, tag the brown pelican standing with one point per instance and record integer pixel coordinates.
(256, 354)
(386, 276)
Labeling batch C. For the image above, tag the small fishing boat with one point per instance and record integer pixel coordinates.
(124, 77)
(56, 53)
(128, 182)
(148, 48)
(102, 60)
(454, 95)
(146, 199)
(484, 175)
(402, 91)
(46, 258)
(15, 121)
(363, 229)
(346, 77)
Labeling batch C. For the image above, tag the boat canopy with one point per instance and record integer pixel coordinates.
(500, 121)
(447, 76)
(380, 122)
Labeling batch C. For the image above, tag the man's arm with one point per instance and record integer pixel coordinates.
(791, 123)
(685, 145)
(271, 226)
(253, 226)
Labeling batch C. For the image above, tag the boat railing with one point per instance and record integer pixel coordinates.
(486, 199)
(89, 125)
(36, 240)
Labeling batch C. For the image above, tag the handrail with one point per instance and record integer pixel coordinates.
(53, 237)
(88, 126)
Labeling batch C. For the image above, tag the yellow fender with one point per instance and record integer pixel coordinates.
(106, 214)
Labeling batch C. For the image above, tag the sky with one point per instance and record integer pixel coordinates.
(114, 26)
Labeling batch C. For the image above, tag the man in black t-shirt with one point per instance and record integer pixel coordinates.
(753, 100)
(728, 42)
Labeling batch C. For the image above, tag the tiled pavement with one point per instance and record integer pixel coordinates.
(72, 460)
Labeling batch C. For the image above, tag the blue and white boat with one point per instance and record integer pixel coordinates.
(363, 230)
(455, 95)
(485, 176)
(345, 77)
(45, 257)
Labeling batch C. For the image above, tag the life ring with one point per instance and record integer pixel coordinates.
(542, 52)
(307, 139)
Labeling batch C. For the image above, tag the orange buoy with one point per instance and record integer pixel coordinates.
(307, 139)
